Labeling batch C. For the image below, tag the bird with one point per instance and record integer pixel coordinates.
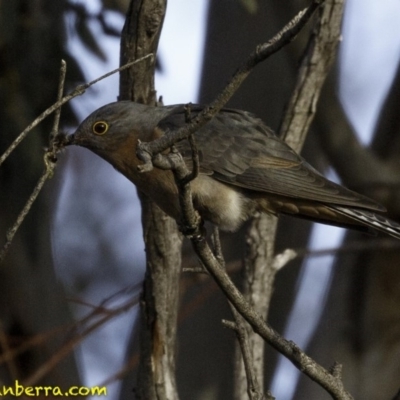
(244, 168)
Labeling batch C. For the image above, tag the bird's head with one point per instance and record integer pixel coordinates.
(107, 128)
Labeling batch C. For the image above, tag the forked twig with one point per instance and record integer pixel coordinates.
(60, 92)
(55, 143)
(147, 150)
(328, 380)
(79, 90)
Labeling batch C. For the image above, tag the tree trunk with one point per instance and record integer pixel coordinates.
(156, 375)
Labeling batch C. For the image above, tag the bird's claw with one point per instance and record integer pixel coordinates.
(145, 156)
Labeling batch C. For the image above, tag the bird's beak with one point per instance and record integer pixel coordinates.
(73, 139)
(62, 139)
(77, 139)
(70, 139)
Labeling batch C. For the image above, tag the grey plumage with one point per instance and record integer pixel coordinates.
(242, 164)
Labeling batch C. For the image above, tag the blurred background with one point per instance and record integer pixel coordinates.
(81, 246)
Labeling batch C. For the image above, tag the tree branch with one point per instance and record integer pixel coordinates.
(331, 382)
(314, 68)
(261, 265)
(78, 91)
(156, 375)
(147, 150)
(57, 142)
(246, 383)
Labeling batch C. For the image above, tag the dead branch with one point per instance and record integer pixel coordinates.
(56, 143)
(147, 150)
(326, 379)
(261, 262)
(78, 91)
(159, 305)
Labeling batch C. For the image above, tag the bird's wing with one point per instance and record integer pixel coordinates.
(239, 149)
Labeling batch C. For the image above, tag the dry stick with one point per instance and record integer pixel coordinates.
(159, 303)
(290, 350)
(70, 344)
(239, 326)
(261, 265)
(79, 90)
(316, 372)
(330, 382)
(253, 389)
(60, 92)
(49, 157)
(258, 277)
(147, 150)
(35, 341)
(11, 232)
(316, 64)
(43, 338)
(307, 365)
(49, 161)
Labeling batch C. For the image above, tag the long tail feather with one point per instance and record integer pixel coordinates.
(375, 221)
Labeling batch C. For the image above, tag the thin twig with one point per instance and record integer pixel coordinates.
(253, 386)
(281, 259)
(43, 338)
(147, 150)
(290, 350)
(317, 61)
(239, 327)
(50, 154)
(197, 233)
(13, 230)
(258, 278)
(331, 383)
(49, 161)
(60, 92)
(261, 263)
(35, 341)
(195, 159)
(79, 90)
(68, 346)
(217, 246)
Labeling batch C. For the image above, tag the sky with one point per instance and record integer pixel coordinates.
(370, 48)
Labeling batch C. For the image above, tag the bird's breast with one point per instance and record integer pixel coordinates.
(224, 205)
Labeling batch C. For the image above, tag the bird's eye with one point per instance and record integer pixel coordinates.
(100, 128)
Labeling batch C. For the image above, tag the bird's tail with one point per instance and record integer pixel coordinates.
(367, 218)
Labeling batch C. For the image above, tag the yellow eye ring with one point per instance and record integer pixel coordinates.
(100, 128)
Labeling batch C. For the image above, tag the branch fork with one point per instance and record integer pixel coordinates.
(149, 153)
